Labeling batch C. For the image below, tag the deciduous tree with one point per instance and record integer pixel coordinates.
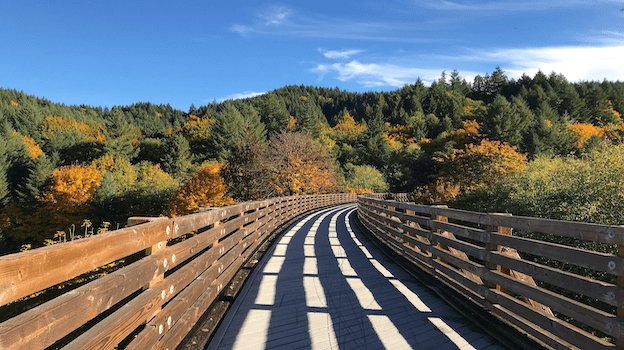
(205, 189)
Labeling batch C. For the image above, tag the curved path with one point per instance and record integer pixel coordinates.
(324, 286)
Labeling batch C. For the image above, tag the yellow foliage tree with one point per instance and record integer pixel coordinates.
(480, 165)
(93, 131)
(294, 164)
(469, 131)
(198, 128)
(401, 134)
(66, 203)
(72, 187)
(118, 168)
(583, 132)
(347, 127)
(33, 149)
(205, 189)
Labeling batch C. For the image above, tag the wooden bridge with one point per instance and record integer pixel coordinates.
(323, 284)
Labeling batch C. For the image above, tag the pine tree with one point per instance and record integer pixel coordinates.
(4, 184)
(227, 131)
(274, 114)
(122, 140)
(178, 158)
(254, 127)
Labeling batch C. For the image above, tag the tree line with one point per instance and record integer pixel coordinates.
(77, 170)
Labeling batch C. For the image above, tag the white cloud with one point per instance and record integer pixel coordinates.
(345, 54)
(507, 5)
(275, 15)
(246, 94)
(284, 21)
(575, 63)
(375, 74)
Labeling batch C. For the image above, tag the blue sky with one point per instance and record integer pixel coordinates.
(106, 53)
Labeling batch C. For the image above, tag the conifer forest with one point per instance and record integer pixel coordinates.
(537, 146)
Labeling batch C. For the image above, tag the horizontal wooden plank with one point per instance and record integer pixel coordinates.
(553, 325)
(603, 291)
(139, 310)
(584, 258)
(180, 329)
(588, 315)
(586, 231)
(28, 272)
(540, 335)
(172, 312)
(53, 320)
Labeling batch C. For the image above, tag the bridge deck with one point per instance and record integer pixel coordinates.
(324, 286)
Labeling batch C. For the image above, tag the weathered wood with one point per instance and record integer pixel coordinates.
(584, 258)
(501, 301)
(539, 334)
(506, 270)
(598, 319)
(25, 273)
(620, 311)
(177, 333)
(579, 230)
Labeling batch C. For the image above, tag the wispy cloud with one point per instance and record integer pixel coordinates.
(284, 21)
(344, 54)
(585, 63)
(576, 63)
(246, 94)
(505, 5)
(379, 74)
(275, 15)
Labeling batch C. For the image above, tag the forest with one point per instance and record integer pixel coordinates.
(539, 146)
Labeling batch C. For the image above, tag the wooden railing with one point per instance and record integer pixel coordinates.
(477, 254)
(173, 270)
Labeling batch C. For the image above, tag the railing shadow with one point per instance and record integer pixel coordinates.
(324, 286)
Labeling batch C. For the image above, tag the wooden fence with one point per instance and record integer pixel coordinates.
(165, 285)
(477, 254)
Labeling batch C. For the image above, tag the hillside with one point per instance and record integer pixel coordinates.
(93, 167)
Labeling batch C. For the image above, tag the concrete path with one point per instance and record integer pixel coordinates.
(324, 286)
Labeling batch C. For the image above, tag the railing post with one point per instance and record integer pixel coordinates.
(441, 219)
(496, 248)
(619, 342)
(137, 220)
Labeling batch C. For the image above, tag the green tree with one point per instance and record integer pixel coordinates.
(177, 159)
(365, 177)
(227, 131)
(4, 184)
(274, 114)
(122, 140)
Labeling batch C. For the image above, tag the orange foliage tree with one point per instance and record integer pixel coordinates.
(480, 165)
(66, 202)
(347, 127)
(33, 149)
(93, 131)
(294, 164)
(583, 132)
(470, 168)
(72, 187)
(205, 189)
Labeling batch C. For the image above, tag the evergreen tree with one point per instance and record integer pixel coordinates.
(178, 158)
(4, 184)
(597, 106)
(254, 127)
(274, 114)
(571, 103)
(39, 170)
(122, 140)
(227, 131)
